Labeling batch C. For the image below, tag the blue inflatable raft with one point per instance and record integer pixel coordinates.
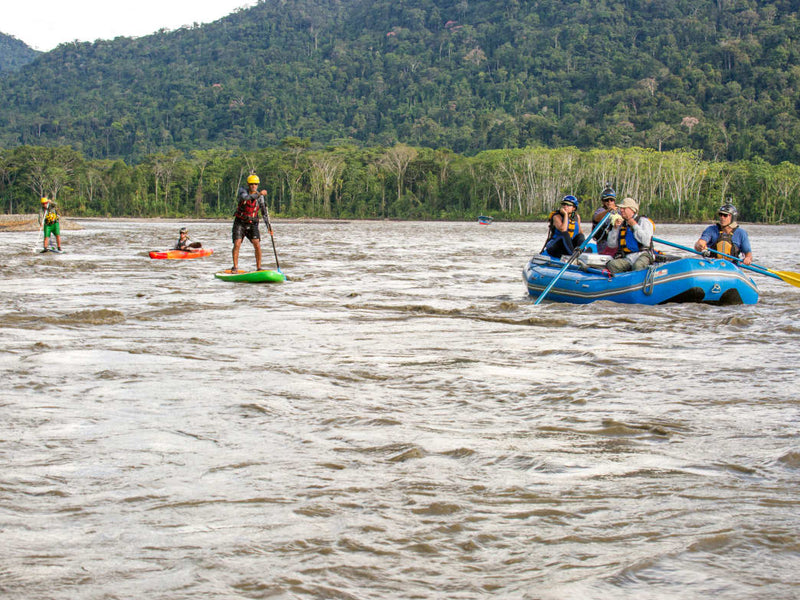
(670, 279)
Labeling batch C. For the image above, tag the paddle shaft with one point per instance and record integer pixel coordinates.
(572, 258)
(40, 232)
(271, 236)
(741, 265)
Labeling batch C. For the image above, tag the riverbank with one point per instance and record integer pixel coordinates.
(31, 223)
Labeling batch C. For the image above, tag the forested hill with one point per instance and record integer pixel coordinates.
(14, 54)
(722, 76)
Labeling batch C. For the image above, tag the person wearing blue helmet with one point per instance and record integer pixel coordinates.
(608, 198)
(564, 233)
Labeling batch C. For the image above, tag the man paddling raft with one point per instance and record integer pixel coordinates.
(726, 236)
(245, 220)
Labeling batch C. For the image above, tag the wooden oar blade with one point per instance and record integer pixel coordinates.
(788, 276)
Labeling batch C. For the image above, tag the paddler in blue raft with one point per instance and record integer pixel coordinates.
(726, 236)
(631, 238)
(608, 198)
(564, 234)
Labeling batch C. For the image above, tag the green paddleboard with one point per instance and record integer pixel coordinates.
(251, 276)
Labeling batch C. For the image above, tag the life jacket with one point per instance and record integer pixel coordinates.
(628, 243)
(51, 216)
(247, 210)
(725, 244)
(573, 226)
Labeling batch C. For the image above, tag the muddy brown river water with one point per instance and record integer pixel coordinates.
(398, 420)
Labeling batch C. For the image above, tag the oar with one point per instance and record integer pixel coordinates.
(272, 237)
(788, 276)
(575, 255)
(41, 229)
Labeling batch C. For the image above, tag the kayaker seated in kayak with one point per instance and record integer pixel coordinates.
(564, 233)
(631, 238)
(183, 242)
(726, 236)
(609, 200)
(245, 221)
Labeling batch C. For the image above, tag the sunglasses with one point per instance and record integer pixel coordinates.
(723, 215)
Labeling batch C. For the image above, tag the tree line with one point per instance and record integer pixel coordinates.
(398, 182)
(716, 76)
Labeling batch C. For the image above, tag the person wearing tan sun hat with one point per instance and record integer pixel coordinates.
(631, 238)
(726, 236)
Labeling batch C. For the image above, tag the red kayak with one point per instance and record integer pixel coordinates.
(182, 254)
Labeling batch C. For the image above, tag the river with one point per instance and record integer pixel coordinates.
(397, 420)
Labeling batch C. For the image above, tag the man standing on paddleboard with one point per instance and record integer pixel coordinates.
(51, 225)
(245, 220)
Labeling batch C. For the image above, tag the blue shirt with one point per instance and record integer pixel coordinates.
(740, 239)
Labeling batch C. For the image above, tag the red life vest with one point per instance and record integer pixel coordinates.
(247, 210)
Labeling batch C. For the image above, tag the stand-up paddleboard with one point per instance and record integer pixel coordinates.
(251, 276)
(181, 254)
(51, 249)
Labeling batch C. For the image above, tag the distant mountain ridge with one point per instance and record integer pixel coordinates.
(719, 77)
(14, 54)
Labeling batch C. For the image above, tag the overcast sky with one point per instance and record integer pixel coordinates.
(43, 24)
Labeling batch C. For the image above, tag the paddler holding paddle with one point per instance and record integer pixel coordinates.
(184, 244)
(50, 222)
(245, 221)
(725, 236)
(609, 205)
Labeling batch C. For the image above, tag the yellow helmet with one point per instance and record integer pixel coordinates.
(45, 200)
(253, 179)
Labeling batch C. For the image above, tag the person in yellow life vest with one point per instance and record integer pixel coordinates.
(51, 225)
(631, 236)
(564, 233)
(245, 220)
(726, 236)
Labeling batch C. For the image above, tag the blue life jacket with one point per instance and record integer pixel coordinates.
(628, 243)
(573, 228)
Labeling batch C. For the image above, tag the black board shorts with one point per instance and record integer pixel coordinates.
(243, 229)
